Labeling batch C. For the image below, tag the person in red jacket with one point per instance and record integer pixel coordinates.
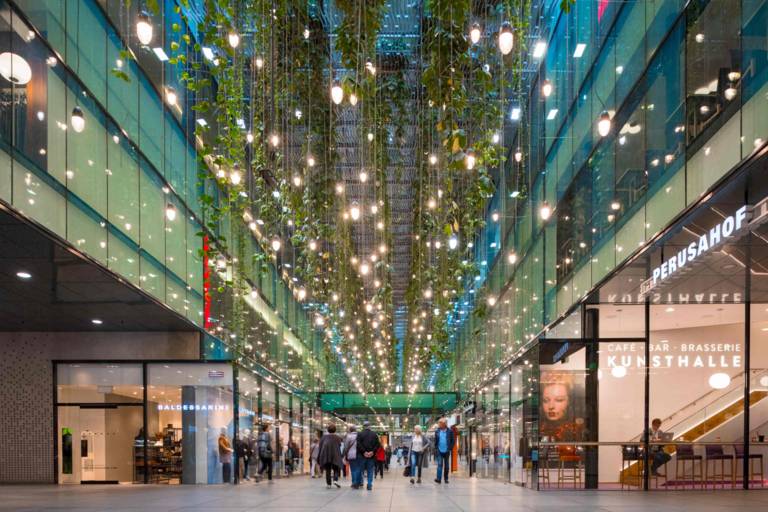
(381, 456)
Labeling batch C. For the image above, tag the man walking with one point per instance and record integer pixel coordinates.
(367, 444)
(444, 441)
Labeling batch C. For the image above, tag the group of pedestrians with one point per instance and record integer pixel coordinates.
(361, 451)
(254, 452)
(365, 455)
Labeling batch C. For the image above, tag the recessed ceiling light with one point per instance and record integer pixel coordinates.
(96, 321)
(670, 310)
(23, 275)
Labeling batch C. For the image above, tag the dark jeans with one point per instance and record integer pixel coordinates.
(416, 463)
(266, 465)
(443, 463)
(380, 468)
(226, 471)
(659, 459)
(328, 468)
(369, 466)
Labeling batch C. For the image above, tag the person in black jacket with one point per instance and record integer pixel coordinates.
(443, 445)
(329, 455)
(367, 444)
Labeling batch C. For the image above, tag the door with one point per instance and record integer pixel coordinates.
(97, 443)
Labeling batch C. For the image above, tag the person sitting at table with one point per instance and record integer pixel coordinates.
(660, 457)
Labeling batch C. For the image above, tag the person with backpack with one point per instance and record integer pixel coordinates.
(265, 451)
(349, 451)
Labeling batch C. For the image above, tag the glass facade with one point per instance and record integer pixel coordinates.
(656, 380)
(162, 422)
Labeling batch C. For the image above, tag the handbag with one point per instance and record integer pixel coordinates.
(407, 471)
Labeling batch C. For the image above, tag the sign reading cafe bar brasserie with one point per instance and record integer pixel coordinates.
(717, 235)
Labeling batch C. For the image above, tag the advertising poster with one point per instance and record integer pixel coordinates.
(563, 406)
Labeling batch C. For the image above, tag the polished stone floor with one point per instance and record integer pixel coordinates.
(393, 494)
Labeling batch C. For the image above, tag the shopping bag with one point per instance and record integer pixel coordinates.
(407, 471)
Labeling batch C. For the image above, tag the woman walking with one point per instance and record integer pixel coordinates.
(314, 452)
(329, 455)
(419, 445)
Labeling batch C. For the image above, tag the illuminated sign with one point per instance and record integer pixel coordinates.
(670, 355)
(192, 407)
(706, 242)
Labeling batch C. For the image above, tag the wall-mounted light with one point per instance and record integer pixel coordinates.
(144, 28)
(77, 120)
(15, 69)
(604, 124)
(545, 211)
(546, 88)
(170, 212)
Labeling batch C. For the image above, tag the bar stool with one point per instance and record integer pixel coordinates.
(753, 457)
(631, 465)
(548, 455)
(685, 453)
(570, 465)
(714, 454)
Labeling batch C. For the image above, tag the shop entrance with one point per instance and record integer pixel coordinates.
(96, 443)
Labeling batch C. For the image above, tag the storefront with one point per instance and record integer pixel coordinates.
(159, 422)
(677, 334)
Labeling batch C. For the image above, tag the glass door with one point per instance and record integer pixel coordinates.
(97, 444)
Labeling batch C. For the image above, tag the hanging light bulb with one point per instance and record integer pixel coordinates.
(312, 245)
(475, 33)
(506, 38)
(235, 176)
(495, 216)
(259, 63)
(604, 124)
(144, 28)
(311, 161)
(170, 212)
(518, 155)
(337, 94)
(491, 300)
(276, 244)
(453, 242)
(339, 189)
(364, 269)
(249, 137)
(234, 39)
(546, 88)
(77, 120)
(730, 91)
(433, 159)
(469, 160)
(370, 137)
(363, 176)
(296, 180)
(354, 211)
(170, 96)
(353, 99)
(428, 293)
(431, 203)
(274, 139)
(302, 294)
(545, 211)
(512, 257)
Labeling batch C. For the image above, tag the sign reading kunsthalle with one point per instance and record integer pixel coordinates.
(716, 236)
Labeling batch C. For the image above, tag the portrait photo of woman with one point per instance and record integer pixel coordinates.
(561, 410)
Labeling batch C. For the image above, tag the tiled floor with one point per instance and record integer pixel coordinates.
(394, 494)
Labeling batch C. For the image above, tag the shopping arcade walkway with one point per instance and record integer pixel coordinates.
(393, 494)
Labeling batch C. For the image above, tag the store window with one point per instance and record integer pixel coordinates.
(189, 408)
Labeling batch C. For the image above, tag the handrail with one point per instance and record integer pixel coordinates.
(736, 379)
